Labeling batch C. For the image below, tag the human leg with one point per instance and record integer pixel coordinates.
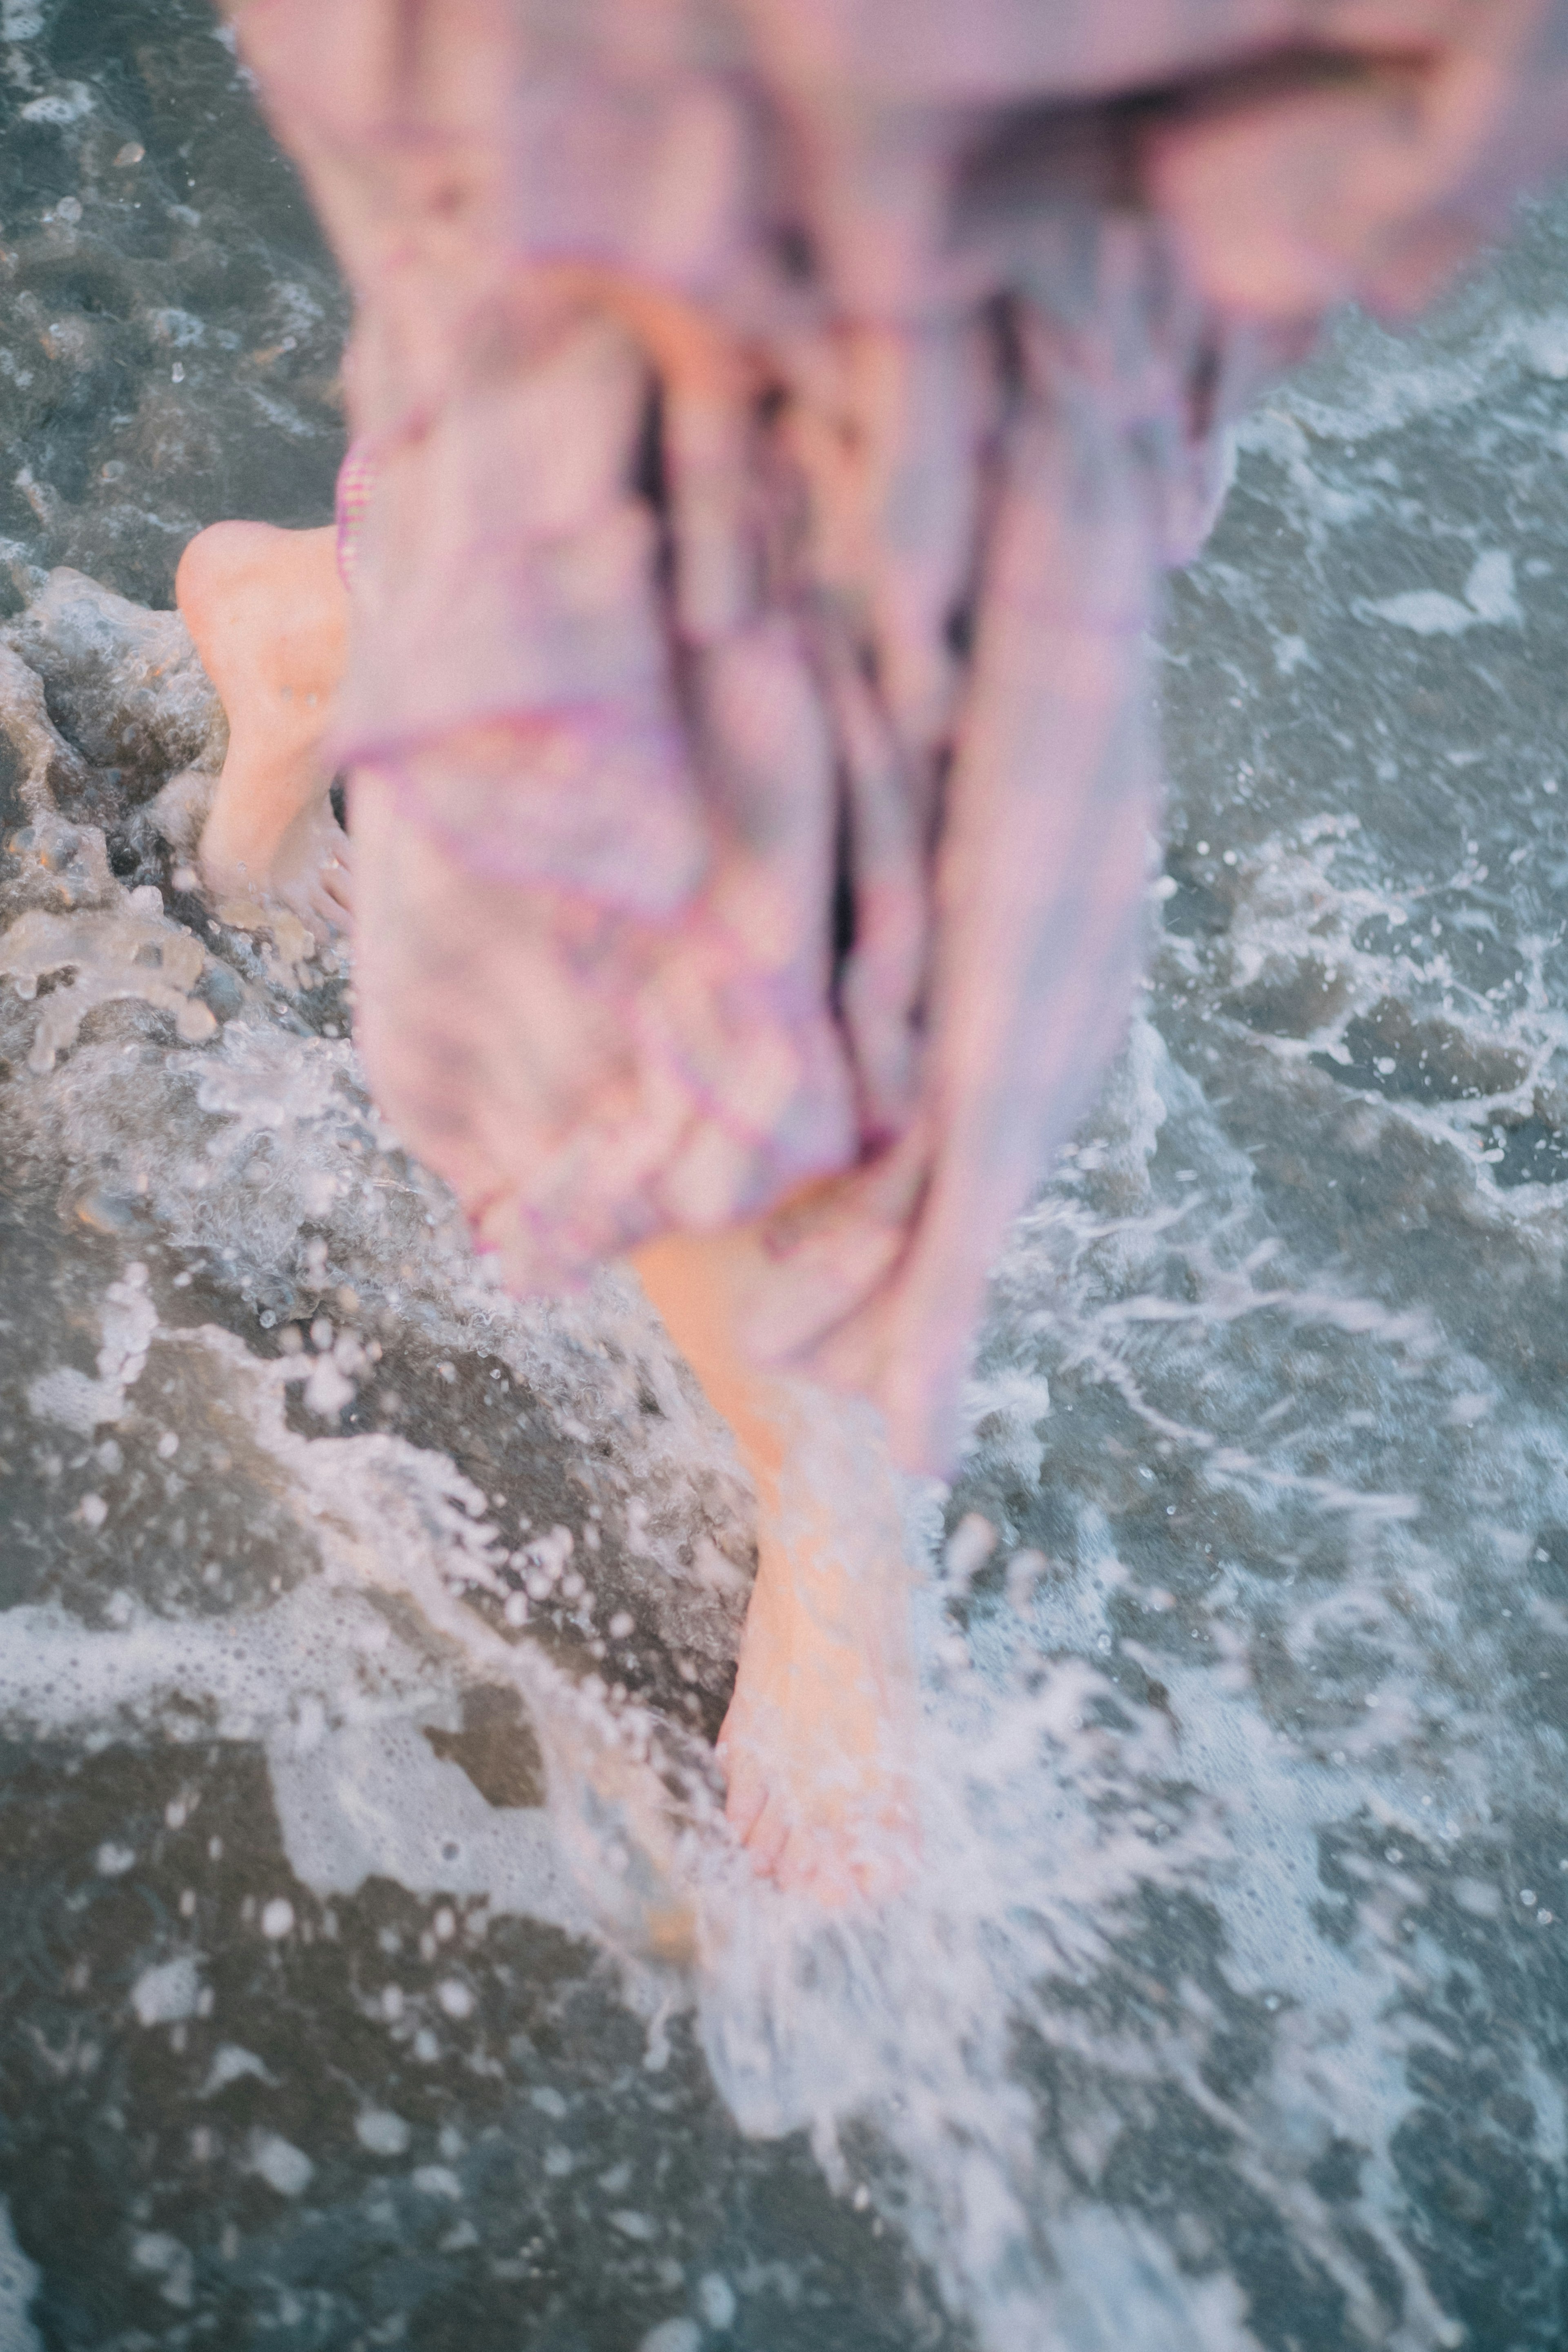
(267, 611)
(816, 1740)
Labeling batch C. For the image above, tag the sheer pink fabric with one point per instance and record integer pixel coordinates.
(356, 480)
(778, 414)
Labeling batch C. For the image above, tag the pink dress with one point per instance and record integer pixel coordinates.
(771, 419)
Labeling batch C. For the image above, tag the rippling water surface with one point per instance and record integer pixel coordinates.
(372, 1971)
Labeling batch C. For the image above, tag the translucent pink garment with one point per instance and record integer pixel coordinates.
(778, 415)
(356, 480)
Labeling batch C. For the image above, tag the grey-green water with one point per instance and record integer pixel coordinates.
(372, 1972)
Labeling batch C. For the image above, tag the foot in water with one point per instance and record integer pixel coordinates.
(817, 1744)
(267, 611)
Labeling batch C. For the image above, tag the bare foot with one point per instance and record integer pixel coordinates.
(817, 1738)
(815, 1744)
(268, 612)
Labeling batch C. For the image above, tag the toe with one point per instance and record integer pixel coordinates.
(766, 1839)
(795, 1869)
(882, 1859)
(879, 1877)
(810, 1864)
(746, 1793)
(315, 910)
(337, 887)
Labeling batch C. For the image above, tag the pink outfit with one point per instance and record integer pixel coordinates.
(944, 337)
(357, 478)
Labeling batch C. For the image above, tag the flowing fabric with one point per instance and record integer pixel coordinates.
(772, 419)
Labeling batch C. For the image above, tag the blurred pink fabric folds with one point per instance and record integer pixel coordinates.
(778, 414)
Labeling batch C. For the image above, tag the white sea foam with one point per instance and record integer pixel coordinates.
(19, 2280)
(1054, 1803)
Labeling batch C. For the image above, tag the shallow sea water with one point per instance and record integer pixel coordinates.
(374, 1972)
